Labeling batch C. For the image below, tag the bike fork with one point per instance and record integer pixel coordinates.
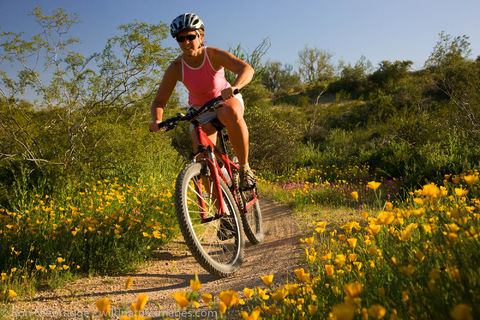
(214, 168)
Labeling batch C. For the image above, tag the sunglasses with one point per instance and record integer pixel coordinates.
(189, 37)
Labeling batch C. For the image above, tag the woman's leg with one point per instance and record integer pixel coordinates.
(231, 116)
(211, 132)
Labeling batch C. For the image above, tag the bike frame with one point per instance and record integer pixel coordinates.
(206, 146)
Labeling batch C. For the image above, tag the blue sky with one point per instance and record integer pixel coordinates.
(377, 29)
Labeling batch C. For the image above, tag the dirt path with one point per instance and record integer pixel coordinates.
(171, 270)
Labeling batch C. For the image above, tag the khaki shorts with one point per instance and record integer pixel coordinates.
(209, 116)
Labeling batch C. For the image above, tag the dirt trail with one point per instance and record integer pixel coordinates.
(171, 270)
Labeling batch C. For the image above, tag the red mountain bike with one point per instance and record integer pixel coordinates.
(212, 211)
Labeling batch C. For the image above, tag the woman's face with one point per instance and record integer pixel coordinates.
(189, 41)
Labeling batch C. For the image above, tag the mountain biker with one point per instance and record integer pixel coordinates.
(201, 70)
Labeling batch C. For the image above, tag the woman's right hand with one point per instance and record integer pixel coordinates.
(153, 126)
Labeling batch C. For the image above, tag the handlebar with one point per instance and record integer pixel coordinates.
(213, 104)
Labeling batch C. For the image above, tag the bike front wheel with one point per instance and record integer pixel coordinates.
(216, 243)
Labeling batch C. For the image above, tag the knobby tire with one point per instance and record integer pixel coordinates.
(218, 256)
(252, 223)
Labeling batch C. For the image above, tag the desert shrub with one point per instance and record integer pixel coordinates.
(274, 143)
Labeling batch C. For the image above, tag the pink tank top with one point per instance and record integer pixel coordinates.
(203, 83)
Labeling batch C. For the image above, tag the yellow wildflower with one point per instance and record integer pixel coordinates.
(452, 227)
(253, 316)
(461, 192)
(141, 301)
(103, 306)
(248, 292)
(267, 280)
(373, 185)
(263, 294)
(354, 195)
(301, 275)
(312, 309)
(229, 297)
(405, 234)
(207, 297)
(329, 269)
(377, 311)
(279, 294)
(418, 212)
(222, 308)
(321, 226)
(418, 201)
(128, 282)
(375, 228)
(348, 227)
(462, 312)
(181, 298)
(431, 191)
(292, 288)
(385, 218)
(353, 289)
(195, 284)
(344, 311)
(352, 242)
(340, 260)
(471, 179)
(309, 240)
(352, 257)
(11, 294)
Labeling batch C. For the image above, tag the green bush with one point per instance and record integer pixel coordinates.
(274, 143)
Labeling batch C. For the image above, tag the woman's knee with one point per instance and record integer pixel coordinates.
(231, 112)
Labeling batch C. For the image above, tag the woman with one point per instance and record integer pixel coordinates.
(201, 70)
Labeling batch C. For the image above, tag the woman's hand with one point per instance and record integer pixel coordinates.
(153, 126)
(228, 93)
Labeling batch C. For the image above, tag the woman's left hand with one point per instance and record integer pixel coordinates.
(228, 93)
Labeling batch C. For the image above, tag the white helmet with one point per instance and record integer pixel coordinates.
(186, 21)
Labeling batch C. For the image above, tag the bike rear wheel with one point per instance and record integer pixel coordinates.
(218, 244)
(252, 220)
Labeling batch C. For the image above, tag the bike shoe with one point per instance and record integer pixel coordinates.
(247, 179)
(227, 230)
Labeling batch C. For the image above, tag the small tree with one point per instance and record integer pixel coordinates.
(278, 77)
(254, 59)
(315, 65)
(388, 73)
(457, 76)
(74, 88)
